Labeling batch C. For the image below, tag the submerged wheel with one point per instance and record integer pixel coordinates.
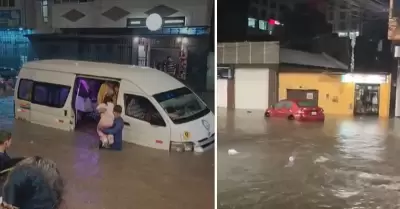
(291, 117)
(266, 114)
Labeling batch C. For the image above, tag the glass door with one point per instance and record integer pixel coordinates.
(366, 99)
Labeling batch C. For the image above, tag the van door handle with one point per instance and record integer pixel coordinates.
(127, 124)
(65, 113)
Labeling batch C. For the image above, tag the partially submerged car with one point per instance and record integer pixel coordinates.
(302, 110)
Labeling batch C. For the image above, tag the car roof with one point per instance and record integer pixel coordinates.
(150, 80)
(294, 100)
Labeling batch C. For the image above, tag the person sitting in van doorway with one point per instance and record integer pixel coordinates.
(115, 130)
(108, 88)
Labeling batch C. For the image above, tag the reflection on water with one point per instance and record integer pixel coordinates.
(137, 177)
(341, 163)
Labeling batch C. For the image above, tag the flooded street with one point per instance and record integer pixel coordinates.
(339, 164)
(137, 177)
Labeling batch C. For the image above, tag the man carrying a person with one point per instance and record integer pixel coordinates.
(115, 130)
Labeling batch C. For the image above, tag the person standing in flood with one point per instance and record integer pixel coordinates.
(115, 130)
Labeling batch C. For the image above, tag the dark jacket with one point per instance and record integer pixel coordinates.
(28, 189)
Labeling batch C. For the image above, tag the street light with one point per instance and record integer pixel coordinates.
(154, 22)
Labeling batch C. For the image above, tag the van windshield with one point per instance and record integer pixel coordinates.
(181, 105)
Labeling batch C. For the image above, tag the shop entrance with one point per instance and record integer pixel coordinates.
(366, 99)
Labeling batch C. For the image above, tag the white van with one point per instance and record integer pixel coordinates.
(48, 91)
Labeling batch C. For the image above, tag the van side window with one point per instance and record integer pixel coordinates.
(51, 95)
(140, 108)
(25, 89)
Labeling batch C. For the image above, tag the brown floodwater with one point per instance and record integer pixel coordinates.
(136, 177)
(343, 163)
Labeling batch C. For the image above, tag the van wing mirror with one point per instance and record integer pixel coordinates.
(272, 106)
(156, 120)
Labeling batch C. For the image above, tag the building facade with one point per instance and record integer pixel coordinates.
(338, 93)
(17, 19)
(146, 33)
(247, 75)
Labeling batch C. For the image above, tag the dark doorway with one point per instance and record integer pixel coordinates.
(366, 99)
(303, 94)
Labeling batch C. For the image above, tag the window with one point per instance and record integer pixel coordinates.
(263, 14)
(251, 22)
(279, 105)
(342, 15)
(225, 73)
(52, 95)
(262, 24)
(182, 105)
(265, 2)
(306, 104)
(253, 12)
(71, 1)
(287, 105)
(7, 3)
(140, 108)
(25, 89)
(45, 11)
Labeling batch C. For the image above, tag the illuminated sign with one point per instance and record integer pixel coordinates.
(166, 22)
(364, 78)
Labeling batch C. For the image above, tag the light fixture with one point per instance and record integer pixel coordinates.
(154, 22)
(136, 39)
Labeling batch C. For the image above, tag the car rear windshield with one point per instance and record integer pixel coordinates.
(306, 104)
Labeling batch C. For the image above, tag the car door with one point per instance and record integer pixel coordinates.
(51, 100)
(139, 129)
(280, 109)
(287, 110)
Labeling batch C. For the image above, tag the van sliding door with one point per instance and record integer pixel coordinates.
(51, 100)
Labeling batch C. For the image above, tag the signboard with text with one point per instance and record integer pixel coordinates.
(10, 18)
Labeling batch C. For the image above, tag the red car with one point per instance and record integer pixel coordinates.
(303, 110)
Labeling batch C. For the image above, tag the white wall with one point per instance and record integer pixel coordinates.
(251, 89)
(222, 93)
(397, 104)
(195, 11)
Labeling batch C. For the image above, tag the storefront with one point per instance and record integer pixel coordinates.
(339, 93)
(247, 79)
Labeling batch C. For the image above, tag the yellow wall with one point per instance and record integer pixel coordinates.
(329, 87)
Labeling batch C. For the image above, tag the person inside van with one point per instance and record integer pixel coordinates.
(115, 130)
(106, 89)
